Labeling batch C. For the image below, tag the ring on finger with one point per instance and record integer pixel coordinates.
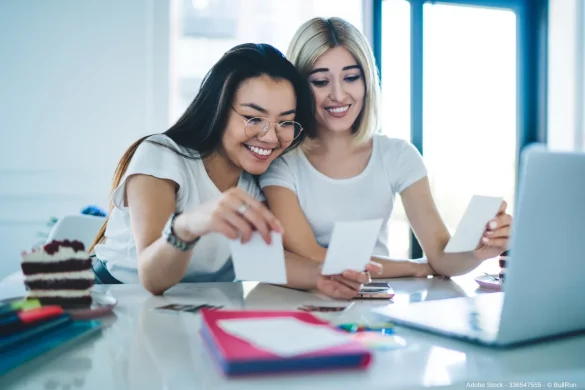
(242, 209)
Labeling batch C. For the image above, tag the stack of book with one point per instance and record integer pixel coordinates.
(29, 330)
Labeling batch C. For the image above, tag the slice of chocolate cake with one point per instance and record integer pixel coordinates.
(59, 273)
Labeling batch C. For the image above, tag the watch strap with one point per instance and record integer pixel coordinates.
(169, 235)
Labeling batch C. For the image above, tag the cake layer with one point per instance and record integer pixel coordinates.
(63, 298)
(30, 268)
(59, 284)
(85, 274)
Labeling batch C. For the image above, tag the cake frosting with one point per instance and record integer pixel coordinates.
(63, 253)
(59, 273)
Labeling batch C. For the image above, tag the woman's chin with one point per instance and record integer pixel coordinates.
(256, 167)
(338, 126)
(256, 170)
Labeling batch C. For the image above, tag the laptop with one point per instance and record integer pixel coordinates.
(544, 291)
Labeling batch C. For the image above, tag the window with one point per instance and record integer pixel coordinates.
(465, 109)
(469, 117)
(396, 103)
(205, 29)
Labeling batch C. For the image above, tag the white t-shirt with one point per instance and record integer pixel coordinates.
(393, 166)
(211, 255)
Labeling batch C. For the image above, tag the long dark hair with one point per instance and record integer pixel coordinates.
(203, 124)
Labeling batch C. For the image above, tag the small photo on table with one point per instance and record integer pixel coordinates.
(182, 308)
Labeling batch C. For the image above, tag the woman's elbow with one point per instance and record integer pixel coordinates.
(154, 290)
(437, 268)
(150, 283)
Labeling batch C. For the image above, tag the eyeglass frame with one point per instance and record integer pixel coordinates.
(246, 121)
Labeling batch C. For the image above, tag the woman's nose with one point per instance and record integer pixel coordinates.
(337, 93)
(268, 134)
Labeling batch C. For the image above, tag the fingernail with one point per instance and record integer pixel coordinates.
(375, 264)
(489, 233)
(493, 224)
(485, 240)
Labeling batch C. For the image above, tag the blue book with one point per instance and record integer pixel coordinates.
(48, 340)
(23, 335)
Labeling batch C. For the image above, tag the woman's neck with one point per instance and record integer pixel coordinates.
(337, 156)
(222, 172)
(333, 143)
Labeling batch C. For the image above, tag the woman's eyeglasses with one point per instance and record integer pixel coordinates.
(258, 126)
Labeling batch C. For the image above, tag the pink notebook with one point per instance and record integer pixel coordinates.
(236, 356)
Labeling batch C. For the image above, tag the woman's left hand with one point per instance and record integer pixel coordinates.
(496, 235)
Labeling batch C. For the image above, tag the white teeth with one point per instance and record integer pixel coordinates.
(338, 109)
(262, 152)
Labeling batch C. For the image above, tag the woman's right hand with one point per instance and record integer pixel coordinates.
(236, 214)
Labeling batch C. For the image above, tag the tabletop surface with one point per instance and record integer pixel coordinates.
(141, 348)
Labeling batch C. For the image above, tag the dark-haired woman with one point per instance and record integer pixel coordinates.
(178, 197)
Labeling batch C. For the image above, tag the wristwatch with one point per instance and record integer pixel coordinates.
(169, 235)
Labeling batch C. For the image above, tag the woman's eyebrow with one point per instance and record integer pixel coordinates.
(317, 70)
(265, 111)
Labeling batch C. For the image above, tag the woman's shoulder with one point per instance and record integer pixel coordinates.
(390, 143)
(290, 160)
(394, 148)
(160, 156)
(293, 155)
(165, 141)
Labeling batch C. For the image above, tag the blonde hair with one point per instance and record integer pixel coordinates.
(317, 36)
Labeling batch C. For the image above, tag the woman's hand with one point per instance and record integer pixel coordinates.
(235, 214)
(496, 236)
(347, 285)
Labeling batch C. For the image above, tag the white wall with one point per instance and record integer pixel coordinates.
(566, 86)
(79, 81)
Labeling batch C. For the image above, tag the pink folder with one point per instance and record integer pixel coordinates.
(236, 356)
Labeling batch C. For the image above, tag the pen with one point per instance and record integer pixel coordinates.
(386, 328)
(25, 304)
(16, 320)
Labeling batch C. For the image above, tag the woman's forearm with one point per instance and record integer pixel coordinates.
(454, 264)
(161, 266)
(393, 268)
(316, 254)
(301, 273)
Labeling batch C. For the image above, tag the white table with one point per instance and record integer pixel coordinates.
(144, 349)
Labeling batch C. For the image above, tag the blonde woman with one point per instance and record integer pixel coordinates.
(349, 171)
